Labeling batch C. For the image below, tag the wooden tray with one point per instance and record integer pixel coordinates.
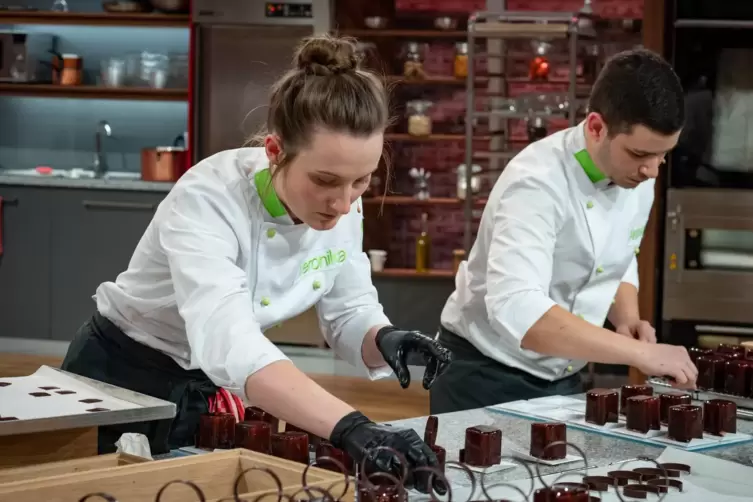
(215, 473)
(66, 467)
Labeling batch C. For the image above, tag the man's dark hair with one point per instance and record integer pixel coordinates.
(638, 87)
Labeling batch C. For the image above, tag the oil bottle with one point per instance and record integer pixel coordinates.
(423, 246)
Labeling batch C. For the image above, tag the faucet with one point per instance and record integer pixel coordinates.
(100, 160)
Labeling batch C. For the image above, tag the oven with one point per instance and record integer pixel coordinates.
(707, 274)
(711, 48)
(243, 47)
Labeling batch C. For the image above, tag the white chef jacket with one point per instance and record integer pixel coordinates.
(222, 261)
(555, 231)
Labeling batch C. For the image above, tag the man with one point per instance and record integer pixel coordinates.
(556, 251)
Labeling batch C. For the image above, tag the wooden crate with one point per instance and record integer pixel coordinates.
(65, 467)
(215, 473)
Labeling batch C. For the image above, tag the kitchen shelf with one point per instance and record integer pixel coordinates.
(431, 138)
(405, 200)
(93, 92)
(367, 33)
(409, 272)
(95, 18)
(433, 80)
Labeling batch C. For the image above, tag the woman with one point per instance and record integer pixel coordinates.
(247, 239)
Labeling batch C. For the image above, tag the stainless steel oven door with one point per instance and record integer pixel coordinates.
(708, 258)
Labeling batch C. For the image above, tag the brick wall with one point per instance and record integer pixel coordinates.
(441, 158)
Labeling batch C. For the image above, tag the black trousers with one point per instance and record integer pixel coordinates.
(475, 381)
(103, 352)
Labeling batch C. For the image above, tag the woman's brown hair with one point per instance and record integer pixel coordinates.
(327, 89)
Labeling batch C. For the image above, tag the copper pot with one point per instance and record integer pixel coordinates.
(163, 163)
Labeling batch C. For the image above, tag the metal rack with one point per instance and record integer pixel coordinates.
(547, 26)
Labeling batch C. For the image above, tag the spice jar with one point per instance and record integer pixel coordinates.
(419, 122)
(413, 66)
(67, 69)
(460, 66)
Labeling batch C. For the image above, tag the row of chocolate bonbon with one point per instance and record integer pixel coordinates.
(645, 412)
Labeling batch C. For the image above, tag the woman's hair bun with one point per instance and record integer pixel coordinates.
(327, 55)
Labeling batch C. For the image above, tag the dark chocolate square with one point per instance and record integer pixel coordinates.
(90, 400)
(39, 394)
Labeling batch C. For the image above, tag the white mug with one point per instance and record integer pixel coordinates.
(377, 258)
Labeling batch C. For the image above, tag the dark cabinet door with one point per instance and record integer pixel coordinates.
(24, 263)
(94, 235)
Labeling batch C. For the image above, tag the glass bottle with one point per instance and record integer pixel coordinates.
(423, 246)
(460, 66)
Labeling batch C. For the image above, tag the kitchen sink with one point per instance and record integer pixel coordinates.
(70, 174)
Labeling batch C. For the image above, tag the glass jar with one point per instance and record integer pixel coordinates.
(460, 66)
(462, 187)
(413, 66)
(419, 122)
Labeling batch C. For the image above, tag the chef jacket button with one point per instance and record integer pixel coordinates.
(589, 204)
(317, 285)
(271, 232)
(636, 251)
(614, 300)
(265, 302)
(570, 369)
(599, 270)
(580, 316)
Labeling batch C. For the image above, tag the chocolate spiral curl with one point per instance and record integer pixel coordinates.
(471, 475)
(339, 465)
(102, 495)
(236, 485)
(566, 443)
(190, 484)
(435, 472)
(372, 454)
(650, 488)
(367, 490)
(325, 496)
(526, 496)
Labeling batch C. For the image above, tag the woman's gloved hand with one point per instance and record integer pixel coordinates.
(397, 347)
(361, 438)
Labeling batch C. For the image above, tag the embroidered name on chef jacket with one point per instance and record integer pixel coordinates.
(332, 258)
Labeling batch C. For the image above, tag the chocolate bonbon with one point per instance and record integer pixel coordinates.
(643, 414)
(719, 417)
(685, 423)
(548, 440)
(483, 446)
(738, 375)
(633, 390)
(671, 399)
(711, 372)
(602, 406)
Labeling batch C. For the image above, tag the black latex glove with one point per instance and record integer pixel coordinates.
(398, 346)
(360, 437)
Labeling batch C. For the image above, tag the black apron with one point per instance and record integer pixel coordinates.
(101, 351)
(474, 380)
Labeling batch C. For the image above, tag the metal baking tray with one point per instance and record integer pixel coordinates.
(744, 404)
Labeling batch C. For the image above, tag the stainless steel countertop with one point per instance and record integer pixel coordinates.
(84, 183)
(152, 409)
